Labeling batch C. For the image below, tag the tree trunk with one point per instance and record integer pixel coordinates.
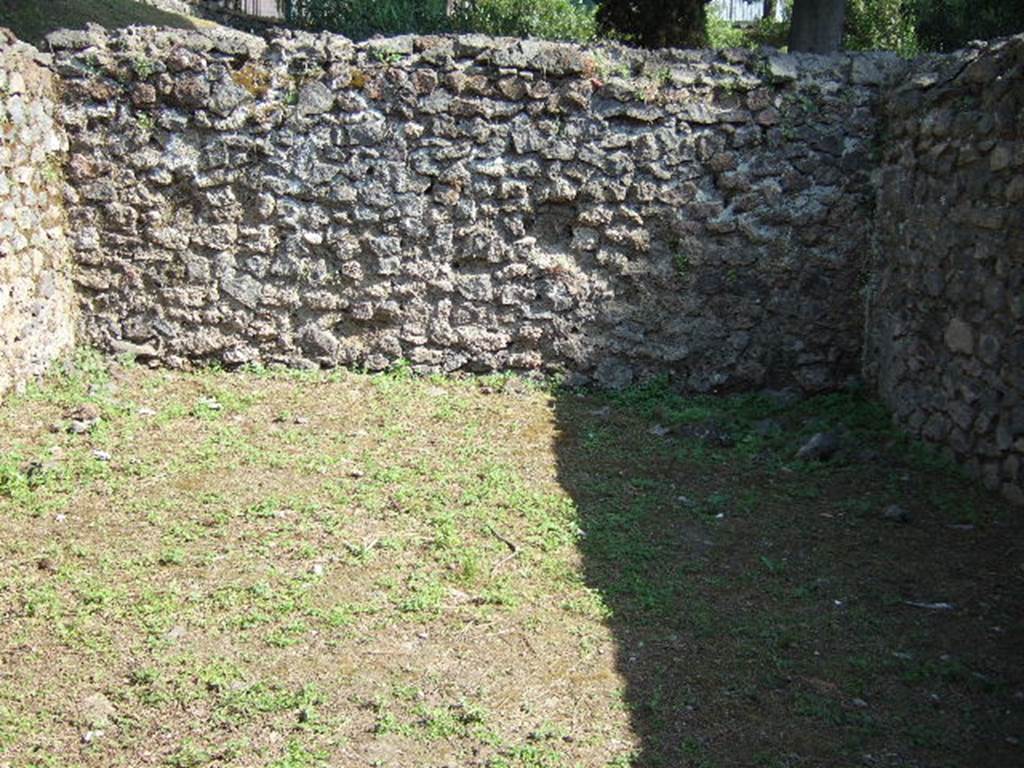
(656, 23)
(768, 9)
(817, 26)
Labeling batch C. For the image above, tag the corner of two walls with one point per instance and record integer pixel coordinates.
(945, 330)
(486, 204)
(37, 302)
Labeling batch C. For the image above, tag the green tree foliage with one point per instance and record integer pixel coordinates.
(656, 23)
(550, 19)
(905, 26)
(723, 33)
(911, 26)
(881, 25)
(360, 19)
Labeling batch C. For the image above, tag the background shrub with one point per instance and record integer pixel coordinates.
(887, 25)
(723, 34)
(360, 19)
(551, 19)
(905, 26)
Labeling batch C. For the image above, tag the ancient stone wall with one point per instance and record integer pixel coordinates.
(492, 204)
(946, 314)
(36, 296)
(473, 204)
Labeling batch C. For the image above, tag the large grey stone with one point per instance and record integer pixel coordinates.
(315, 98)
(959, 336)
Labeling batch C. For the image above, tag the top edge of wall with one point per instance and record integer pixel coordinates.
(553, 58)
(12, 44)
(33, 66)
(980, 62)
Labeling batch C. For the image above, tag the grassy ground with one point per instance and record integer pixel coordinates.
(299, 569)
(32, 20)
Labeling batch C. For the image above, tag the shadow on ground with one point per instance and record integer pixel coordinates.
(762, 605)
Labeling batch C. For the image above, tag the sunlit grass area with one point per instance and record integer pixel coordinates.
(290, 569)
